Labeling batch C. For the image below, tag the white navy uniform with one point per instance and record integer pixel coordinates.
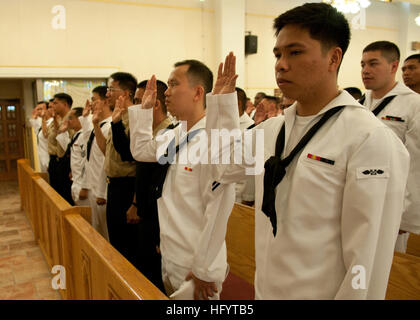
(95, 177)
(42, 143)
(245, 190)
(193, 211)
(332, 217)
(77, 164)
(402, 115)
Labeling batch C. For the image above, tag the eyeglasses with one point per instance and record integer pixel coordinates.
(113, 89)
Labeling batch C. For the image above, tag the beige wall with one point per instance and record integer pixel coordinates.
(384, 21)
(145, 37)
(141, 37)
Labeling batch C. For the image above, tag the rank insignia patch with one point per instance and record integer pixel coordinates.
(372, 172)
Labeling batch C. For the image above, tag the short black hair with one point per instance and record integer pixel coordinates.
(198, 72)
(388, 50)
(101, 91)
(413, 56)
(142, 84)
(241, 97)
(78, 111)
(274, 99)
(42, 102)
(323, 22)
(355, 92)
(161, 88)
(65, 98)
(126, 81)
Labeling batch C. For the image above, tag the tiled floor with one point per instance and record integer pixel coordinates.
(24, 274)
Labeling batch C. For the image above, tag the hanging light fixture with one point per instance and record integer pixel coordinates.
(348, 6)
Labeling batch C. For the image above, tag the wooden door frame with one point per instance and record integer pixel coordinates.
(9, 174)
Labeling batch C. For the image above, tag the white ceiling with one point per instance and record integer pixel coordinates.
(417, 2)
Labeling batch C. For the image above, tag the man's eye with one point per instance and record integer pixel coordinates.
(295, 52)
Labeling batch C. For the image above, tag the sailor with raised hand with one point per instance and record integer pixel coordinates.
(193, 208)
(330, 197)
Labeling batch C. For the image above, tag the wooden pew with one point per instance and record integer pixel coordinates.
(413, 245)
(25, 174)
(49, 211)
(240, 242)
(94, 269)
(98, 271)
(404, 279)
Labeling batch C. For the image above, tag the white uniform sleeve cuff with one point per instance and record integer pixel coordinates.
(63, 139)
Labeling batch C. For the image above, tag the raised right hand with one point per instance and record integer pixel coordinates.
(226, 76)
(35, 113)
(118, 110)
(87, 108)
(64, 126)
(149, 96)
(95, 118)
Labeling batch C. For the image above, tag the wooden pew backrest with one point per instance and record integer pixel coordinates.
(404, 279)
(413, 245)
(98, 270)
(240, 242)
(94, 269)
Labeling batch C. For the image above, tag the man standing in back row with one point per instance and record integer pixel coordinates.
(411, 72)
(59, 165)
(399, 108)
(121, 174)
(94, 128)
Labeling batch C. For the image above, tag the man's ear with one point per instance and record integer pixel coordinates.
(199, 93)
(394, 66)
(336, 56)
(157, 104)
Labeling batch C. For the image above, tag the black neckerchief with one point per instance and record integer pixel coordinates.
(73, 140)
(275, 167)
(170, 155)
(90, 141)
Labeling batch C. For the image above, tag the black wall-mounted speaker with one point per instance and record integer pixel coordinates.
(251, 44)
